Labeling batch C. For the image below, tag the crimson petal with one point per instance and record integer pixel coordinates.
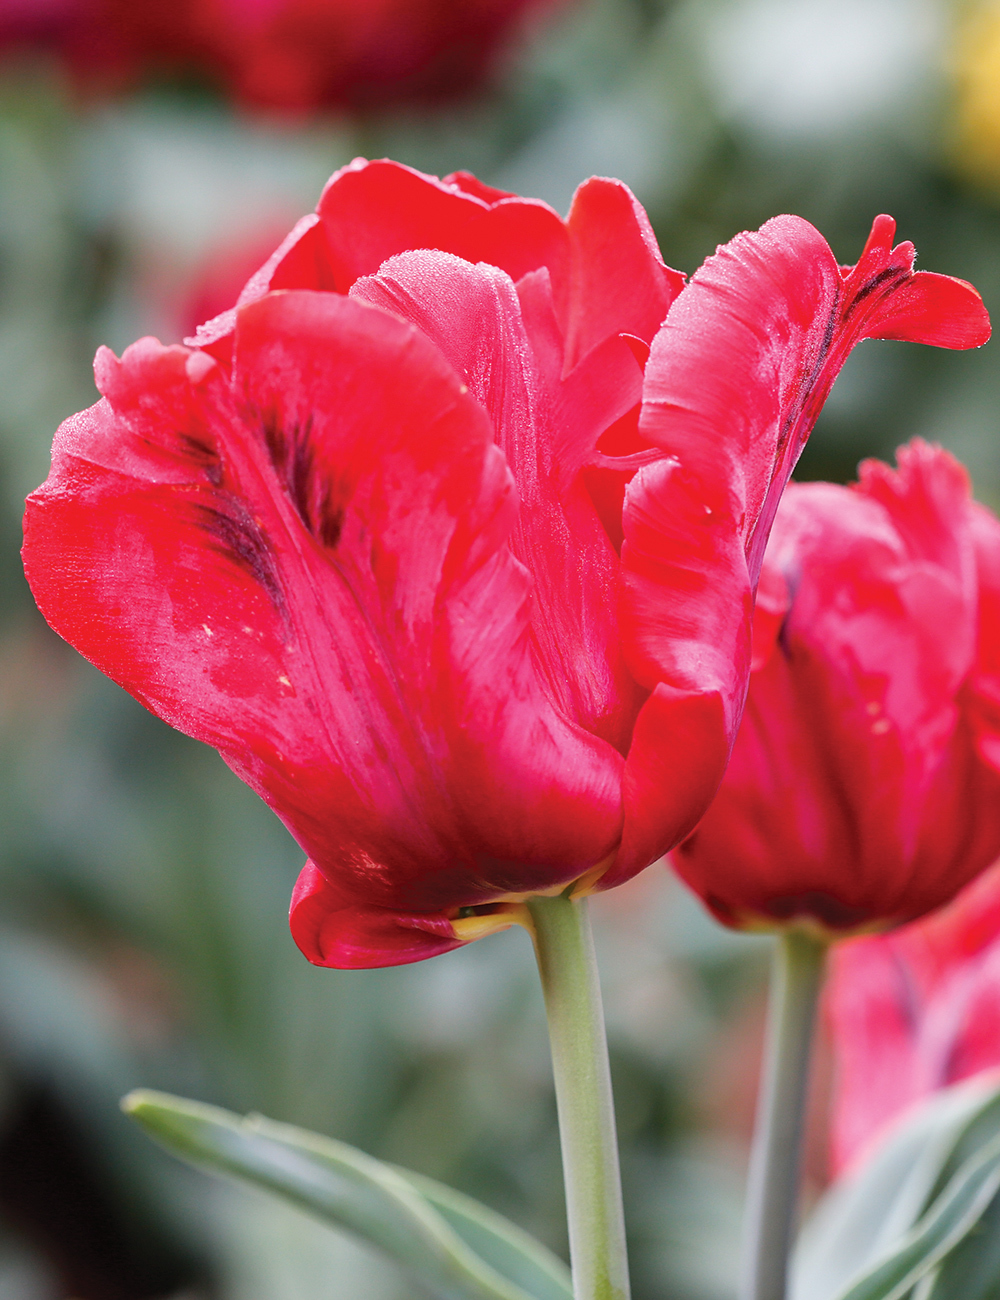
(605, 268)
(735, 381)
(474, 316)
(845, 794)
(307, 568)
(619, 281)
(333, 930)
(985, 682)
(370, 211)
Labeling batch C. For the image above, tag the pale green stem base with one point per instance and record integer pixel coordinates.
(776, 1160)
(564, 947)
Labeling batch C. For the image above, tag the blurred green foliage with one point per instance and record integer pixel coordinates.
(144, 890)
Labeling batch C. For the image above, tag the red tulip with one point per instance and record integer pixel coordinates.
(864, 788)
(285, 54)
(914, 1011)
(367, 538)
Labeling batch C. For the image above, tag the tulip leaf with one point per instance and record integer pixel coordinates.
(972, 1270)
(455, 1246)
(868, 1211)
(508, 1248)
(948, 1222)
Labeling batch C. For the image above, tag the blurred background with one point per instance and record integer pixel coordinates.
(151, 156)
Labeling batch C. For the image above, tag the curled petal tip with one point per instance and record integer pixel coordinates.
(882, 233)
(936, 309)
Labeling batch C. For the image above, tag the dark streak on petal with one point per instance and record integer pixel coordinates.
(901, 272)
(838, 316)
(192, 449)
(331, 526)
(293, 456)
(240, 539)
(299, 470)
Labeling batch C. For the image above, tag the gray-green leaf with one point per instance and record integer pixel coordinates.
(456, 1246)
(947, 1223)
(866, 1213)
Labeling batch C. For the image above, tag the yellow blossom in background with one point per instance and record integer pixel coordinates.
(976, 64)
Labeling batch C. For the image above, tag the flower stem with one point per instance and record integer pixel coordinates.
(776, 1159)
(564, 947)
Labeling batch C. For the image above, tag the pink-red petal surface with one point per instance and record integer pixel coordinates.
(735, 380)
(332, 929)
(619, 283)
(912, 1012)
(472, 313)
(605, 269)
(349, 646)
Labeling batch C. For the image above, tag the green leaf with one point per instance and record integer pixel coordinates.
(454, 1245)
(947, 1223)
(972, 1270)
(508, 1248)
(867, 1212)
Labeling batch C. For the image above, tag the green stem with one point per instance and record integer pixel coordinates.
(776, 1159)
(564, 947)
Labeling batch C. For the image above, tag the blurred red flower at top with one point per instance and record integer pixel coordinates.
(284, 54)
(864, 788)
(447, 536)
(914, 1011)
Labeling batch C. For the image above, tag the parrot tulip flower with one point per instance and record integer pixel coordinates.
(864, 787)
(914, 1011)
(446, 537)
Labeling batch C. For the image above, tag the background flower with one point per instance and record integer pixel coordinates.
(976, 59)
(914, 1011)
(277, 54)
(864, 787)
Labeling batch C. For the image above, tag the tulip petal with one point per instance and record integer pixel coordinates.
(677, 757)
(473, 314)
(685, 619)
(914, 1011)
(605, 268)
(332, 930)
(985, 681)
(370, 211)
(619, 281)
(307, 568)
(873, 1026)
(469, 184)
(920, 307)
(298, 262)
(927, 504)
(735, 380)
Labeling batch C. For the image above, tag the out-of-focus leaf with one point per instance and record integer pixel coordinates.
(982, 1123)
(867, 1213)
(972, 1270)
(952, 1216)
(508, 1248)
(454, 1245)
